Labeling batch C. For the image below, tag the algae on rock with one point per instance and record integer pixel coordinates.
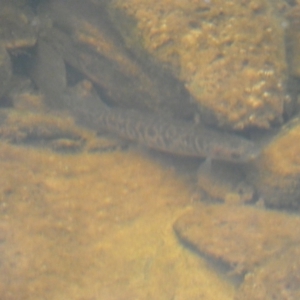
(229, 54)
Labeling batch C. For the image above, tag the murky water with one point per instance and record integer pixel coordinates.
(86, 216)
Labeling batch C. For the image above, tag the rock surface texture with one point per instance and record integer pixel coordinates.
(229, 54)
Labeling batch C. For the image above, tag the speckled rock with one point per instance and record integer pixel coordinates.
(229, 54)
(278, 279)
(243, 237)
(276, 172)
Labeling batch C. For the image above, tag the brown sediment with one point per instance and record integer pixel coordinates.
(19, 126)
(48, 130)
(90, 226)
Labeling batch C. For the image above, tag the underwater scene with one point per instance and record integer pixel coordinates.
(150, 149)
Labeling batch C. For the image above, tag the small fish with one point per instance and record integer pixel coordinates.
(176, 137)
(163, 134)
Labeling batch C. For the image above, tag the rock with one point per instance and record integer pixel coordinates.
(242, 237)
(230, 55)
(96, 49)
(276, 172)
(277, 279)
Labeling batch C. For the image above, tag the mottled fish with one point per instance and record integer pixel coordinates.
(161, 133)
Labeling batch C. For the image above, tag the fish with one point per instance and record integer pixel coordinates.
(176, 137)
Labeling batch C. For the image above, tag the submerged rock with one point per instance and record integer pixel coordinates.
(278, 279)
(276, 172)
(229, 54)
(242, 237)
(84, 36)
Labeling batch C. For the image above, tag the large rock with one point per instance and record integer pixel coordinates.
(243, 237)
(277, 279)
(276, 172)
(229, 54)
(84, 36)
